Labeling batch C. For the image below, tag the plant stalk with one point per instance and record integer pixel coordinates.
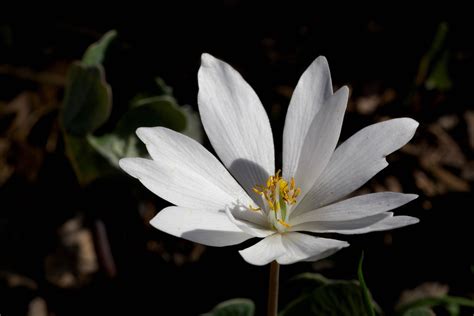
(273, 289)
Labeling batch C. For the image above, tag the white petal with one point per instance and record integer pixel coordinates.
(356, 207)
(321, 140)
(168, 146)
(302, 247)
(385, 224)
(312, 90)
(341, 226)
(250, 227)
(201, 226)
(265, 251)
(177, 184)
(357, 160)
(184, 172)
(235, 122)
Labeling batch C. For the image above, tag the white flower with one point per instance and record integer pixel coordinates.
(221, 206)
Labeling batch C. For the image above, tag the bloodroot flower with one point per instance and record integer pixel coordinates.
(222, 206)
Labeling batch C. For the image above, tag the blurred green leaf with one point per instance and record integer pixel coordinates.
(113, 147)
(453, 304)
(337, 298)
(154, 111)
(429, 61)
(439, 78)
(419, 311)
(95, 53)
(365, 291)
(87, 100)
(163, 88)
(233, 307)
(87, 164)
(312, 279)
(193, 123)
(147, 112)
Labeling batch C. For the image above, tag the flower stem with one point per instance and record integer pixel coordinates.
(273, 289)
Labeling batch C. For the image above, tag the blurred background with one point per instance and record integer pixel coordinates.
(74, 232)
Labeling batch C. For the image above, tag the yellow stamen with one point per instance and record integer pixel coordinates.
(279, 194)
(284, 223)
(255, 209)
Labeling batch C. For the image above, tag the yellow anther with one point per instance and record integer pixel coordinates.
(284, 223)
(271, 205)
(255, 209)
(277, 175)
(297, 192)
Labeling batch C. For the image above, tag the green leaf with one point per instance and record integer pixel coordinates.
(439, 78)
(95, 53)
(154, 111)
(193, 123)
(451, 303)
(163, 88)
(420, 311)
(113, 147)
(87, 164)
(337, 298)
(233, 307)
(87, 100)
(365, 291)
(427, 60)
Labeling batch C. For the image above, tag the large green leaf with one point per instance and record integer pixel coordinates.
(233, 307)
(153, 111)
(113, 147)
(87, 164)
(87, 100)
(95, 53)
(337, 298)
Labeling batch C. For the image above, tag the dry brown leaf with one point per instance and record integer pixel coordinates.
(37, 307)
(425, 290)
(469, 117)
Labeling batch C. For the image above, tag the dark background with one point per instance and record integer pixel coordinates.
(377, 55)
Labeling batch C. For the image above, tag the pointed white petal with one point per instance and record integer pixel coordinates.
(265, 251)
(235, 122)
(312, 90)
(182, 152)
(341, 226)
(321, 140)
(177, 184)
(385, 224)
(356, 207)
(201, 226)
(302, 247)
(250, 227)
(357, 160)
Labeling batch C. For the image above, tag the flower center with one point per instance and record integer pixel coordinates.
(278, 195)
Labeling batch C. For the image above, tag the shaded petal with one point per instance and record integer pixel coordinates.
(313, 89)
(356, 207)
(201, 226)
(357, 160)
(177, 184)
(235, 122)
(302, 247)
(170, 147)
(341, 226)
(250, 227)
(385, 224)
(265, 251)
(321, 140)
